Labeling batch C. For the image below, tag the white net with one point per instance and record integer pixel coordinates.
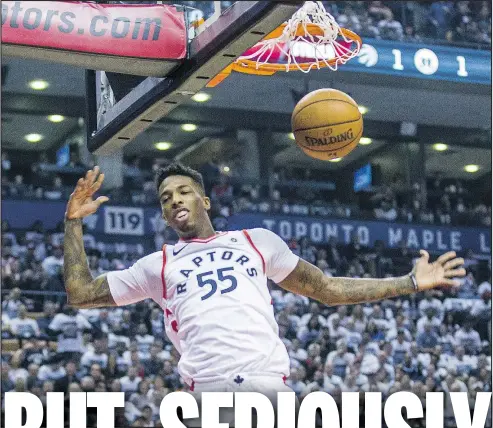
(323, 48)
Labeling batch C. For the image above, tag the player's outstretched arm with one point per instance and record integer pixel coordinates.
(82, 290)
(308, 280)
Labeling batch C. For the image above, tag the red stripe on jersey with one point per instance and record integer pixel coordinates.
(168, 313)
(174, 326)
(192, 386)
(204, 240)
(284, 379)
(162, 271)
(254, 247)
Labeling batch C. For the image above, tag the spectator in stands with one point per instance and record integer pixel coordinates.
(460, 20)
(349, 19)
(468, 338)
(295, 381)
(446, 340)
(481, 308)
(378, 10)
(62, 384)
(6, 164)
(440, 17)
(49, 309)
(11, 274)
(75, 162)
(56, 191)
(98, 355)
(53, 369)
(32, 380)
(97, 374)
(23, 327)
(69, 326)
(429, 318)
(8, 237)
(34, 351)
(11, 303)
(222, 192)
(6, 382)
(18, 188)
(144, 340)
(390, 29)
(430, 302)
(16, 370)
(53, 264)
(170, 376)
(130, 382)
(140, 398)
(341, 359)
(428, 339)
(400, 346)
(484, 287)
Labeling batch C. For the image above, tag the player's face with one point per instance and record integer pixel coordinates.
(184, 207)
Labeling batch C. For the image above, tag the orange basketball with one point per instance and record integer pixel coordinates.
(327, 124)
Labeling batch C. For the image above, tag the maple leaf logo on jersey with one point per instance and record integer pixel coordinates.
(238, 379)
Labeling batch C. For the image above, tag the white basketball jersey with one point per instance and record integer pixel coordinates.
(218, 309)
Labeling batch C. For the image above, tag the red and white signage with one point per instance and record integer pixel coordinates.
(132, 30)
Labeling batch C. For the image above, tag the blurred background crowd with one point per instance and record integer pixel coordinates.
(437, 341)
(451, 22)
(288, 191)
(429, 342)
(463, 23)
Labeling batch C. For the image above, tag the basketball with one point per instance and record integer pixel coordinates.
(327, 124)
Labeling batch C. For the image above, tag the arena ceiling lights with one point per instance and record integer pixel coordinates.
(471, 168)
(440, 147)
(38, 84)
(163, 145)
(365, 141)
(188, 127)
(201, 97)
(56, 118)
(33, 138)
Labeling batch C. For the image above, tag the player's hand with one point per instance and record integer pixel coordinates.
(439, 273)
(81, 203)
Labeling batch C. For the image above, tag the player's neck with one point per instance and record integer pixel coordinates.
(206, 232)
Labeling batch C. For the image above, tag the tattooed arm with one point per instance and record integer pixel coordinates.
(310, 281)
(82, 290)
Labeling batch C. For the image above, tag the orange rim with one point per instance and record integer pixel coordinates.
(251, 67)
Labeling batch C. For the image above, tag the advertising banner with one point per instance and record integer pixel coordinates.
(131, 30)
(134, 222)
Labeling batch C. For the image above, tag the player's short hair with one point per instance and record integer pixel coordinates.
(179, 169)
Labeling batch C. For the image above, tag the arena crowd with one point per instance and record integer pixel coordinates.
(434, 341)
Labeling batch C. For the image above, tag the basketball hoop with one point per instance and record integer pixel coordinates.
(311, 39)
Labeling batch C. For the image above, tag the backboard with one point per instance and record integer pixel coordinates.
(218, 33)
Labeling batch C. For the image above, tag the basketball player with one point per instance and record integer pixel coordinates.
(212, 287)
